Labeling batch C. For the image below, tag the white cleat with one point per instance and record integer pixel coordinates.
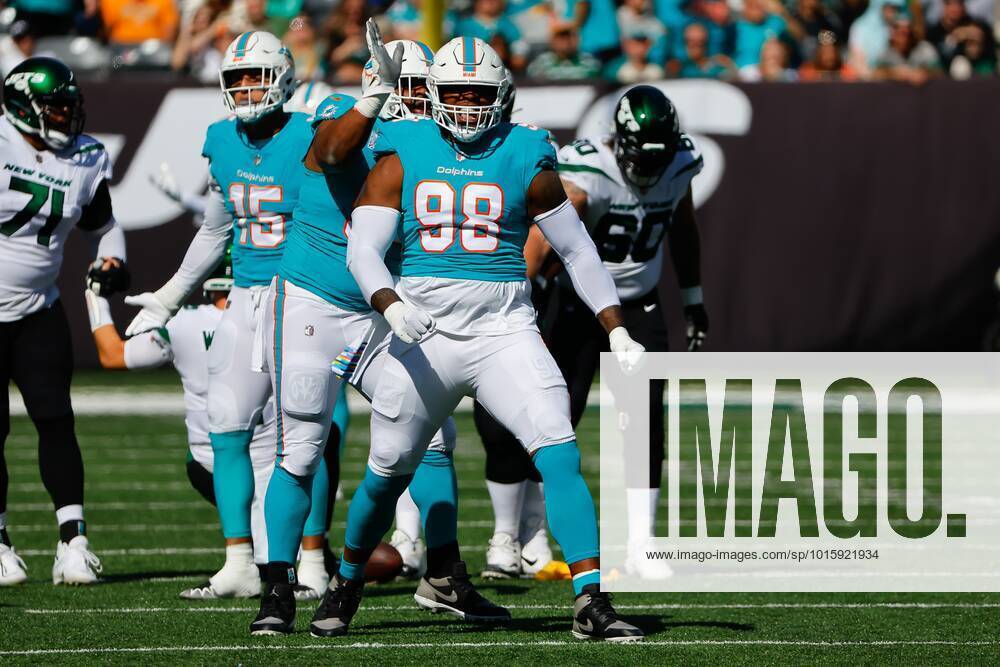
(413, 553)
(638, 565)
(232, 581)
(535, 554)
(12, 568)
(75, 563)
(313, 580)
(503, 558)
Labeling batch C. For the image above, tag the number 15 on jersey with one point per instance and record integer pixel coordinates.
(261, 229)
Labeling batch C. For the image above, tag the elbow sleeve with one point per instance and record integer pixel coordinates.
(566, 234)
(373, 229)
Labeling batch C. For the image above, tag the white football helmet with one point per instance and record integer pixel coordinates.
(402, 103)
(307, 96)
(467, 62)
(262, 51)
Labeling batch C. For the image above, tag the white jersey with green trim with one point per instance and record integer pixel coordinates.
(185, 342)
(42, 197)
(628, 225)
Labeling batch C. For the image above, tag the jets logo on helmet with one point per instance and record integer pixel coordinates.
(409, 99)
(468, 85)
(647, 133)
(41, 98)
(258, 69)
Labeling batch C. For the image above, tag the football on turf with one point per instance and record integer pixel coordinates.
(384, 565)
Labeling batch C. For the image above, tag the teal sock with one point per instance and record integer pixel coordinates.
(316, 520)
(285, 508)
(233, 481)
(568, 503)
(353, 571)
(372, 509)
(585, 579)
(435, 491)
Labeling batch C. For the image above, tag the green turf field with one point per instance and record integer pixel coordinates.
(155, 536)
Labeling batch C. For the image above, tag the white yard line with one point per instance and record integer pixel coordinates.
(94, 528)
(154, 506)
(333, 646)
(548, 607)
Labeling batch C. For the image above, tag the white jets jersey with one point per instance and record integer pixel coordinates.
(628, 225)
(185, 342)
(42, 196)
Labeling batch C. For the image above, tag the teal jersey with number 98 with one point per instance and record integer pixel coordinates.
(464, 205)
(260, 184)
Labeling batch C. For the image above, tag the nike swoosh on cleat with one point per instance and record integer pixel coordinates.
(650, 308)
(452, 597)
(529, 561)
(586, 627)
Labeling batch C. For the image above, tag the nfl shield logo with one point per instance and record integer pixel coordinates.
(459, 157)
(256, 160)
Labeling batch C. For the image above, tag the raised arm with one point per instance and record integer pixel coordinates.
(338, 138)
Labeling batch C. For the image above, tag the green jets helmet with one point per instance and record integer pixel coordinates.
(41, 98)
(221, 279)
(646, 135)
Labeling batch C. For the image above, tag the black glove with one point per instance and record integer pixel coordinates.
(105, 282)
(697, 326)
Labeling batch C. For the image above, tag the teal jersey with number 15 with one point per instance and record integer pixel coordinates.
(260, 184)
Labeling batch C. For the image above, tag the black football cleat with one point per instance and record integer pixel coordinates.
(277, 611)
(339, 604)
(457, 596)
(595, 618)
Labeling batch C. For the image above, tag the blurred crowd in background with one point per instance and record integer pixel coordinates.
(624, 41)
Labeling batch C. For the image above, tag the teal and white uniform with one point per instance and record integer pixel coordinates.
(316, 309)
(463, 226)
(260, 186)
(184, 342)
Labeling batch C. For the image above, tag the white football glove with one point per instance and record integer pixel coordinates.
(154, 313)
(410, 324)
(382, 69)
(627, 351)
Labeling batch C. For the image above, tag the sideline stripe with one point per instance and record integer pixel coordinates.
(332, 646)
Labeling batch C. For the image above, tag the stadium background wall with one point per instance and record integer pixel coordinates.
(836, 217)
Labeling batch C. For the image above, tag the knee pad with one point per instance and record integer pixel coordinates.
(393, 454)
(300, 458)
(305, 391)
(548, 412)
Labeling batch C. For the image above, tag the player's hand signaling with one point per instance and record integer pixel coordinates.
(411, 325)
(627, 351)
(154, 313)
(383, 71)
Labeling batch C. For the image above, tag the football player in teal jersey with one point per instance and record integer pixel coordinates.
(316, 311)
(461, 192)
(255, 163)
